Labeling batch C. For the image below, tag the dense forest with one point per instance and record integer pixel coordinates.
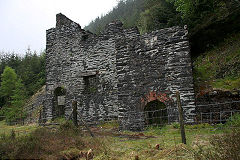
(208, 21)
(21, 77)
(214, 35)
(213, 27)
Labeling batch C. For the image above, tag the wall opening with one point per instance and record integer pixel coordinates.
(90, 83)
(156, 113)
(59, 102)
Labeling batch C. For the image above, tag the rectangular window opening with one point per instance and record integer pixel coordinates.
(90, 83)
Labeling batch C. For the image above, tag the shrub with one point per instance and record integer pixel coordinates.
(3, 136)
(14, 114)
(13, 134)
(60, 120)
(70, 153)
(234, 121)
(12, 147)
(219, 126)
(67, 125)
(51, 142)
(69, 129)
(223, 147)
(176, 125)
(199, 126)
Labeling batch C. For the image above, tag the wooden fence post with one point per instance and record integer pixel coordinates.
(74, 112)
(85, 125)
(181, 120)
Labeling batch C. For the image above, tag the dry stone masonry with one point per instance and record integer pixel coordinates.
(34, 107)
(116, 74)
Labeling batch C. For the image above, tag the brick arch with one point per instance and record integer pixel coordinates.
(156, 95)
(155, 112)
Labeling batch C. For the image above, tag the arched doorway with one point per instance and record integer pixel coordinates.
(156, 113)
(59, 102)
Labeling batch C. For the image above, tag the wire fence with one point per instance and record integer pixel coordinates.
(209, 120)
(213, 113)
(217, 117)
(217, 112)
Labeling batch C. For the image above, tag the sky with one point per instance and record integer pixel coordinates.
(23, 23)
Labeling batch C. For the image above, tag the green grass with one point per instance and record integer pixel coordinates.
(18, 129)
(169, 140)
(219, 68)
(67, 141)
(109, 125)
(227, 83)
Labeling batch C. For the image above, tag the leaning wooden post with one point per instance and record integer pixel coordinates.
(181, 120)
(74, 106)
(40, 117)
(86, 126)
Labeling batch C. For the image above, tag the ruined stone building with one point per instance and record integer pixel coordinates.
(117, 73)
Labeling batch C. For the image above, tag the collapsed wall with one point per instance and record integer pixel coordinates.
(116, 74)
(34, 107)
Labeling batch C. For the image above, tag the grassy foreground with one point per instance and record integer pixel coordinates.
(69, 142)
(18, 129)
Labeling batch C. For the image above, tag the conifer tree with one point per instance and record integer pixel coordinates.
(8, 84)
(19, 95)
(14, 93)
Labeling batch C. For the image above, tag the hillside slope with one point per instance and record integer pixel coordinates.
(219, 68)
(126, 11)
(216, 56)
(147, 15)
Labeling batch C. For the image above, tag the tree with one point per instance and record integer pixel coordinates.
(127, 11)
(19, 95)
(29, 68)
(8, 84)
(15, 111)
(14, 93)
(158, 14)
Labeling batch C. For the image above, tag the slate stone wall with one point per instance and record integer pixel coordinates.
(153, 67)
(34, 107)
(74, 56)
(128, 70)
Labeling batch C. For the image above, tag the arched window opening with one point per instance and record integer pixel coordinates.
(59, 102)
(156, 113)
